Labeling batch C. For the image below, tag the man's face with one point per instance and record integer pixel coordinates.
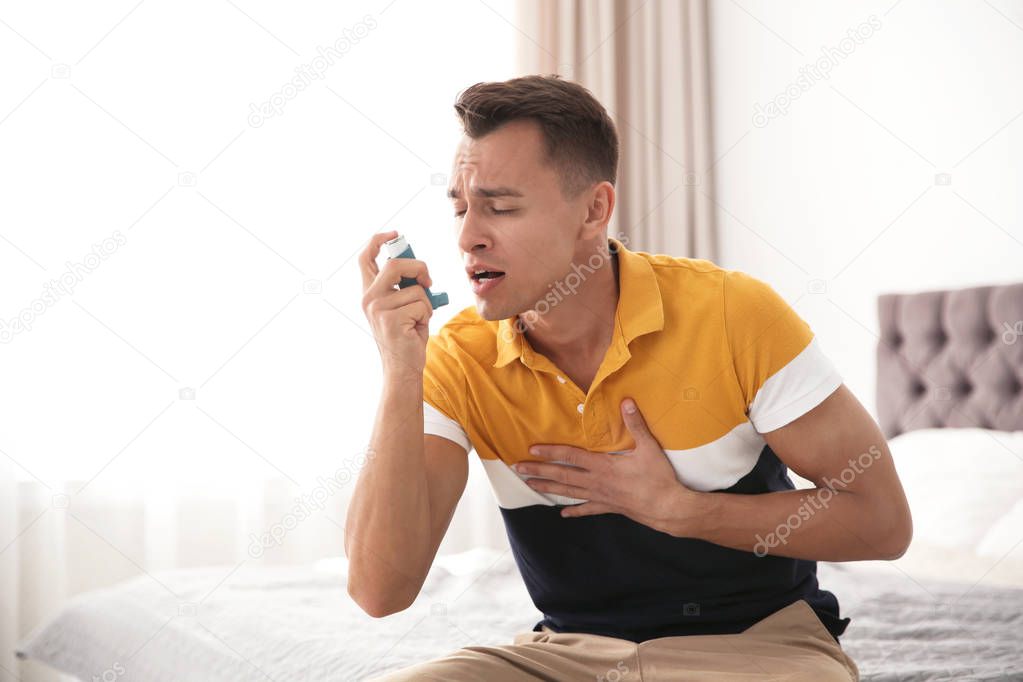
(510, 217)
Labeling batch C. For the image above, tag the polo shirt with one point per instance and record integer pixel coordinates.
(714, 358)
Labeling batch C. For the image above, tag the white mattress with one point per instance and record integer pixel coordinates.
(299, 624)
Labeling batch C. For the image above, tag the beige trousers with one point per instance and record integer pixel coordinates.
(790, 644)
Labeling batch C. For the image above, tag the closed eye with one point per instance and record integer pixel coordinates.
(493, 210)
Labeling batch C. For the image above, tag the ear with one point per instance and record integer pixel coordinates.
(600, 202)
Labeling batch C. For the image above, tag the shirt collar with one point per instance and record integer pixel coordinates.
(640, 308)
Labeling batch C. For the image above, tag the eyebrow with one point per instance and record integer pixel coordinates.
(486, 192)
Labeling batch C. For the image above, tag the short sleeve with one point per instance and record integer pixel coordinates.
(782, 371)
(439, 424)
(444, 389)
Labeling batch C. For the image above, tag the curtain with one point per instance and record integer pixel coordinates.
(648, 64)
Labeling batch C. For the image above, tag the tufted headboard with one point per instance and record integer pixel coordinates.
(951, 359)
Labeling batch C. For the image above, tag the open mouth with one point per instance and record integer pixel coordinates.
(485, 280)
(486, 274)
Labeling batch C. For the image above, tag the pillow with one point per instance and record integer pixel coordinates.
(1005, 536)
(959, 482)
(923, 561)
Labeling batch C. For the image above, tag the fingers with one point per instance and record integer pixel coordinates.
(588, 509)
(368, 257)
(564, 453)
(391, 273)
(394, 322)
(401, 297)
(423, 309)
(553, 472)
(399, 317)
(544, 485)
(635, 423)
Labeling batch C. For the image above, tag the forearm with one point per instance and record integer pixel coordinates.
(819, 524)
(387, 530)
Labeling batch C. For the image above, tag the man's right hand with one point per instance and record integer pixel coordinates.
(399, 317)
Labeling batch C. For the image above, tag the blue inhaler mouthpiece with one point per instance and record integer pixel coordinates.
(400, 248)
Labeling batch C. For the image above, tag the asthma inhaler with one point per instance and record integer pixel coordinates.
(399, 248)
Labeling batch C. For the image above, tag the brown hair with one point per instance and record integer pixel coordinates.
(580, 139)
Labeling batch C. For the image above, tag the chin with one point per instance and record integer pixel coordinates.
(489, 311)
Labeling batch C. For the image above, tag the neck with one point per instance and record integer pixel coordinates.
(582, 323)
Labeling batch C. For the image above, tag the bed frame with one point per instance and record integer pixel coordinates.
(951, 359)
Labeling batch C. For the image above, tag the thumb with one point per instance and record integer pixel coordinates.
(635, 423)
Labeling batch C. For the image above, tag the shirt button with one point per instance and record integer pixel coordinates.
(580, 408)
(561, 378)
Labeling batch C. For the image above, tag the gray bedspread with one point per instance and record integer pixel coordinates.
(298, 624)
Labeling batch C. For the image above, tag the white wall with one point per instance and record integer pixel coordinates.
(229, 267)
(841, 187)
(137, 127)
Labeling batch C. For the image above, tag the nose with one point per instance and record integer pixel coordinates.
(473, 235)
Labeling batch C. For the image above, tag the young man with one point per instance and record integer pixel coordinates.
(655, 526)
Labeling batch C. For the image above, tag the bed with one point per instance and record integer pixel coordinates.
(950, 376)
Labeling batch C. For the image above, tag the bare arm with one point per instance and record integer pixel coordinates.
(402, 505)
(857, 511)
(408, 490)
